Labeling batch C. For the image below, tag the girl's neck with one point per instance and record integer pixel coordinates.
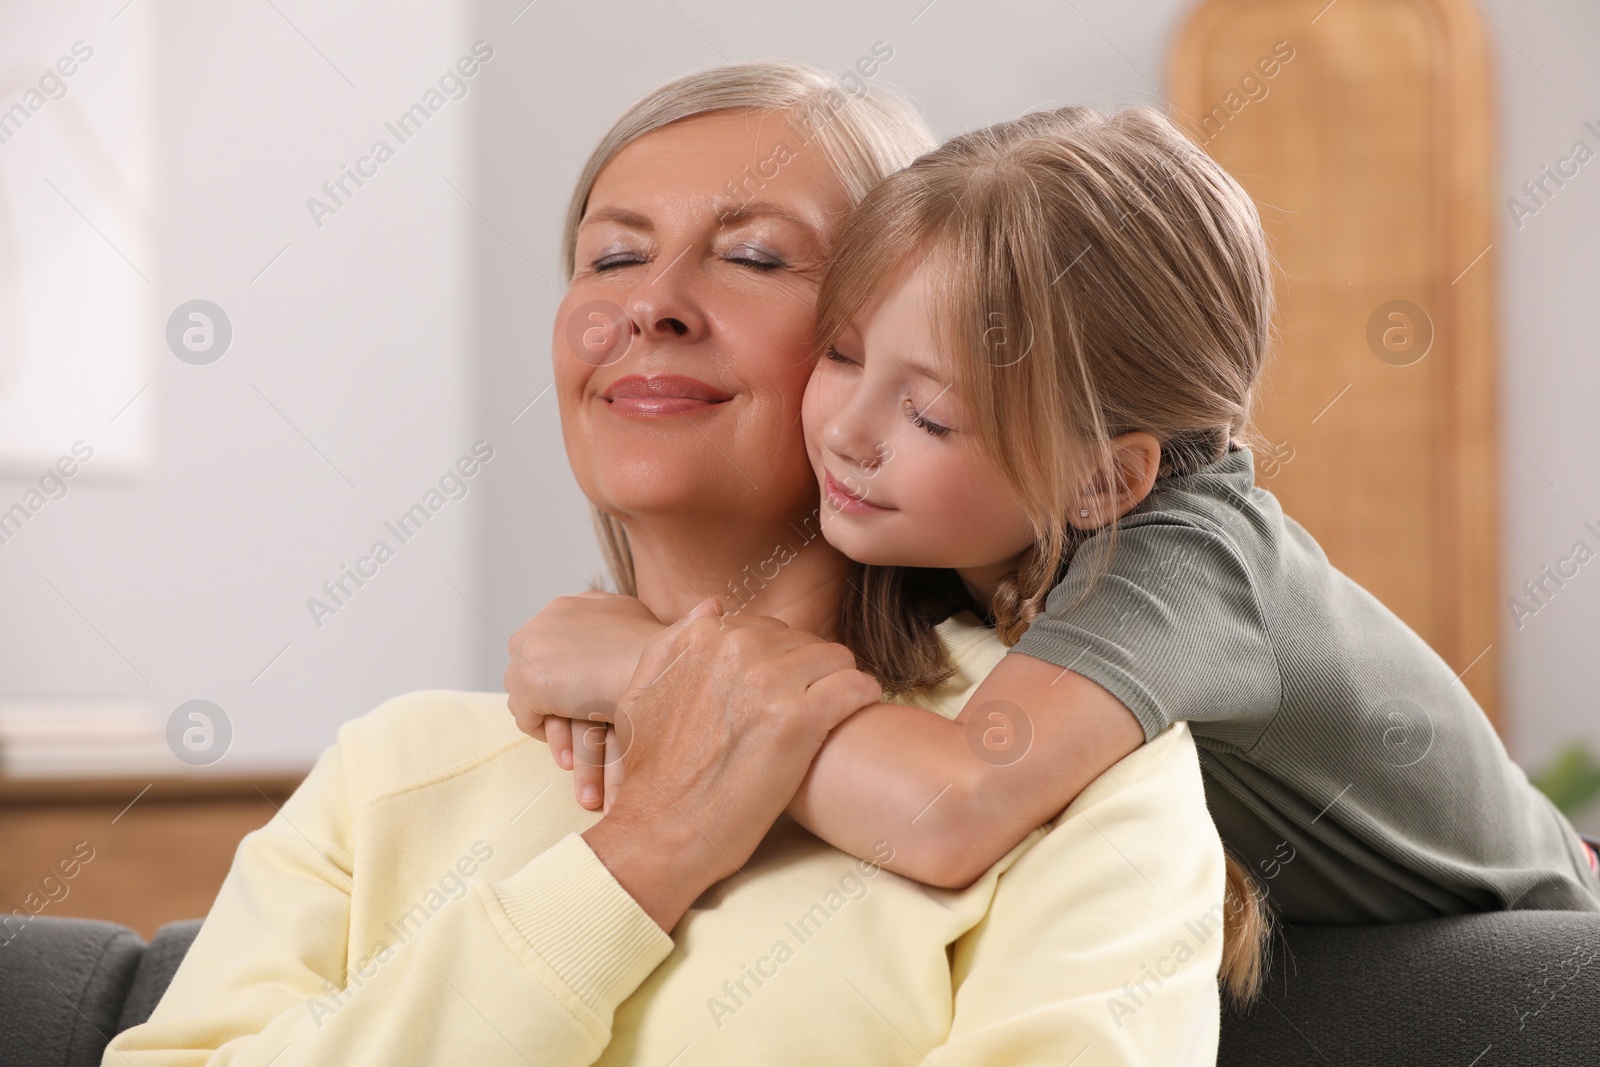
(782, 569)
(981, 582)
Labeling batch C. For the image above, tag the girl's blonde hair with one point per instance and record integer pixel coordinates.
(864, 135)
(1095, 274)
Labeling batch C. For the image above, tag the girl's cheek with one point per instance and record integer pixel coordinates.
(818, 404)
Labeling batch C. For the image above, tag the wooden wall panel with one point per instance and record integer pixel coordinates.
(156, 851)
(1368, 155)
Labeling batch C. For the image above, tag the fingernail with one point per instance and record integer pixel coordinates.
(591, 795)
(566, 759)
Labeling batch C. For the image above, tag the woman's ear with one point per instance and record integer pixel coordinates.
(1136, 458)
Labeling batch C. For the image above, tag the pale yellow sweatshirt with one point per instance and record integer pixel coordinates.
(424, 898)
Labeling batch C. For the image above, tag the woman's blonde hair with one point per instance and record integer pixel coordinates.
(864, 134)
(1095, 274)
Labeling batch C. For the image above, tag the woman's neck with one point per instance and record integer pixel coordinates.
(782, 569)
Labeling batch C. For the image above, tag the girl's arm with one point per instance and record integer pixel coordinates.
(952, 797)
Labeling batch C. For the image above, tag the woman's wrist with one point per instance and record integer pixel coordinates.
(662, 874)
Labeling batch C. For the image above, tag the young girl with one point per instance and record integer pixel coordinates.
(1041, 342)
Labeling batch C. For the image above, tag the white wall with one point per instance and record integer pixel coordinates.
(409, 327)
(1549, 86)
(356, 344)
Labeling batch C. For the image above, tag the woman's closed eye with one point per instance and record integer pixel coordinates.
(752, 258)
(606, 263)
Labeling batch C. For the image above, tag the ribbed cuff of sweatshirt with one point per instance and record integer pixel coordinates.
(581, 922)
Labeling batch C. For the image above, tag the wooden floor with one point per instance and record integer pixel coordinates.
(140, 853)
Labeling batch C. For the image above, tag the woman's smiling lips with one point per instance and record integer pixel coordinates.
(844, 499)
(655, 395)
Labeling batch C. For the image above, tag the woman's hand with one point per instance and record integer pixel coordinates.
(573, 660)
(717, 729)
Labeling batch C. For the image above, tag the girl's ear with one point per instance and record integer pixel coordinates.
(1136, 457)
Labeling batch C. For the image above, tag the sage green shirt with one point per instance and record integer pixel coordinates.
(1344, 763)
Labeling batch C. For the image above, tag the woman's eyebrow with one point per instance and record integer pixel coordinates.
(631, 219)
(759, 209)
(731, 216)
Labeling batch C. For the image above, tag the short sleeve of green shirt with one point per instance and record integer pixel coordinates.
(1171, 628)
(1345, 763)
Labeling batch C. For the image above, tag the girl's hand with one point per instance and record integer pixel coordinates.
(579, 649)
(592, 754)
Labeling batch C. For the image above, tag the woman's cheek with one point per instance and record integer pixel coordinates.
(568, 371)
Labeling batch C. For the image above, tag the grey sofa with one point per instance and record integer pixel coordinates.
(68, 985)
(1475, 991)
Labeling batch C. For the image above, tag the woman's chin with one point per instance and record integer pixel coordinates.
(665, 485)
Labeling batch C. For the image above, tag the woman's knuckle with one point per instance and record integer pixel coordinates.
(839, 656)
(867, 685)
(701, 629)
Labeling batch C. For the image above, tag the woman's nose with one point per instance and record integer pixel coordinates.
(664, 305)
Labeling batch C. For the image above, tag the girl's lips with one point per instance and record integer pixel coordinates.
(657, 395)
(841, 499)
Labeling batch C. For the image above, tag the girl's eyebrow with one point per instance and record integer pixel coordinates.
(918, 367)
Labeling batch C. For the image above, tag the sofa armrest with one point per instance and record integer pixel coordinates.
(1511, 987)
(1498, 988)
(156, 967)
(62, 984)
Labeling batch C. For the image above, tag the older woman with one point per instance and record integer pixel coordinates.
(433, 893)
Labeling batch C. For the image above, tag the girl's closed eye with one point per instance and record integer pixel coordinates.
(917, 418)
(920, 420)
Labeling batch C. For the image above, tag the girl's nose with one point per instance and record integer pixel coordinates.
(849, 435)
